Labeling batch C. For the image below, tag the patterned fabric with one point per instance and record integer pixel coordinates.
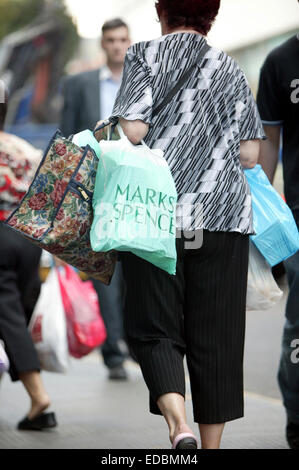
(200, 130)
(56, 212)
(18, 162)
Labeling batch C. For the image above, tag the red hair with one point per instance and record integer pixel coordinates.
(197, 14)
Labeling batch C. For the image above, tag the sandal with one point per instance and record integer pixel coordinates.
(40, 422)
(185, 440)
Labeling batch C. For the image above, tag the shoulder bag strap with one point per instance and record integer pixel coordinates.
(169, 95)
(180, 83)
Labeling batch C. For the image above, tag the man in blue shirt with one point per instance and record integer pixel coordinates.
(89, 97)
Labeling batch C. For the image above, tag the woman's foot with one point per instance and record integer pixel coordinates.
(34, 386)
(172, 406)
(180, 429)
(40, 422)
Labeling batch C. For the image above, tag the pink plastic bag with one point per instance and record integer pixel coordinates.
(85, 326)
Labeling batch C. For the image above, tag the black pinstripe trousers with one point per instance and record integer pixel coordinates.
(200, 313)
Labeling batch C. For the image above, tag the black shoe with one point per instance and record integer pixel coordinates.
(40, 422)
(118, 373)
(187, 443)
(292, 435)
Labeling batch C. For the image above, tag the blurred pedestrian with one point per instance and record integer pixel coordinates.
(208, 131)
(19, 278)
(88, 97)
(278, 103)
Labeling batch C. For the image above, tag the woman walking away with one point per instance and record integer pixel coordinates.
(19, 279)
(209, 131)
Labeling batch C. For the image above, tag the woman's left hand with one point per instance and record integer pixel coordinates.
(102, 134)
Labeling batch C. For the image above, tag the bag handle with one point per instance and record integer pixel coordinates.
(107, 122)
(142, 143)
(68, 270)
(114, 120)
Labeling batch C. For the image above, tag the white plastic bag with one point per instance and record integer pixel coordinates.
(262, 290)
(48, 327)
(4, 361)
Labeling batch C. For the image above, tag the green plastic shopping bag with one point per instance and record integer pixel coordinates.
(134, 203)
(84, 138)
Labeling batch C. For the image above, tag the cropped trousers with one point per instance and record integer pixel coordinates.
(19, 291)
(198, 313)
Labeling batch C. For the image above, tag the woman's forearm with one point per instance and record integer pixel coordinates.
(269, 151)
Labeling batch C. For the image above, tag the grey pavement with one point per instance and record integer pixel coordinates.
(95, 413)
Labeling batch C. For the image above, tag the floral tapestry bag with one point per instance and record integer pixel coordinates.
(56, 213)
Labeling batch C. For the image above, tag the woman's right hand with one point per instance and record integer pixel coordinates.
(249, 153)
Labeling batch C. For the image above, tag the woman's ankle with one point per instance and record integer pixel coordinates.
(172, 406)
(38, 406)
(180, 428)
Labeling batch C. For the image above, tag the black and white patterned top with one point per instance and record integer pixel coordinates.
(200, 130)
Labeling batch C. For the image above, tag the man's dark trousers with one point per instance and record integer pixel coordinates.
(111, 304)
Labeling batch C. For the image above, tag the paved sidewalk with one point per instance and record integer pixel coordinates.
(95, 413)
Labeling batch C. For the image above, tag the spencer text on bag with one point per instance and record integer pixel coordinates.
(137, 200)
(153, 211)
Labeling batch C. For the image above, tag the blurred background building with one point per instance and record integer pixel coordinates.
(40, 40)
(246, 29)
(37, 39)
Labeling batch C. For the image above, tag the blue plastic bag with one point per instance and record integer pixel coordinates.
(277, 236)
(134, 203)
